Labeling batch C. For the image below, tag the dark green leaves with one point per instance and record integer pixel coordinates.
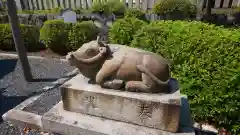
(205, 58)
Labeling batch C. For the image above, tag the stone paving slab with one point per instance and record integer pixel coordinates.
(60, 121)
(28, 114)
(22, 118)
(76, 123)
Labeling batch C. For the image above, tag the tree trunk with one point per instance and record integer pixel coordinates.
(19, 43)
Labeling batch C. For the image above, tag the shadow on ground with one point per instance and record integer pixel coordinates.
(7, 66)
(44, 79)
(9, 102)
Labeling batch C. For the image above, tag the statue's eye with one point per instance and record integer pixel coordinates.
(90, 52)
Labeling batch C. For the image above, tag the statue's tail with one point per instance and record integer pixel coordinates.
(146, 71)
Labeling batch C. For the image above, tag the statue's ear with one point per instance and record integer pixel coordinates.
(101, 44)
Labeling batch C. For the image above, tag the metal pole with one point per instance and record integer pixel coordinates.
(19, 44)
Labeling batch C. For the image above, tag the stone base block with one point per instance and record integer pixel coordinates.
(60, 121)
(160, 111)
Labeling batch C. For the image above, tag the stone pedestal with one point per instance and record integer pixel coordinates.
(157, 111)
(53, 118)
(63, 122)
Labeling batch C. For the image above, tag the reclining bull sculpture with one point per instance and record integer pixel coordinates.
(123, 69)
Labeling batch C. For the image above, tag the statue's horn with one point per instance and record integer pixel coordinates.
(98, 39)
(99, 42)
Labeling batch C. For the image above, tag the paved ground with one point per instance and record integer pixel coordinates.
(14, 89)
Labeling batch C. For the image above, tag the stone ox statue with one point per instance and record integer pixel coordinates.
(125, 68)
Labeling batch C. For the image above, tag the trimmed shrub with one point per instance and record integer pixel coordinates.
(54, 34)
(135, 12)
(175, 7)
(206, 60)
(122, 30)
(79, 10)
(81, 33)
(3, 12)
(4, 18)
(99, 7)
(117, 7)
(3, 9)
(108, 7)
(63, 37)
(47, 11)
(30, 35)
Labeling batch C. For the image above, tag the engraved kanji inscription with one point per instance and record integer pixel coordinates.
(90, 101)
(145, 111)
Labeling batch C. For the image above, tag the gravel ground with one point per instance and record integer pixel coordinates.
(14, 89)
(45, 102)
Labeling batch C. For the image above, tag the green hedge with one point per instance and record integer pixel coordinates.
(3, 18)
(3, 10)
(47, 11)
(54, 34)
(179, 7)
(81, 33)
(30, 35)
(122, 30)
(64, 37)
(108, 6)
(135, 12)
(79, 10)
(206, 60)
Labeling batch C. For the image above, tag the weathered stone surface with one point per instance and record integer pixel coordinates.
(125, 68)
(60, 121)
(22, 119)
(161, 111)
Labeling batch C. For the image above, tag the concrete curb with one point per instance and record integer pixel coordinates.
(19, 117)
(59, 121)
